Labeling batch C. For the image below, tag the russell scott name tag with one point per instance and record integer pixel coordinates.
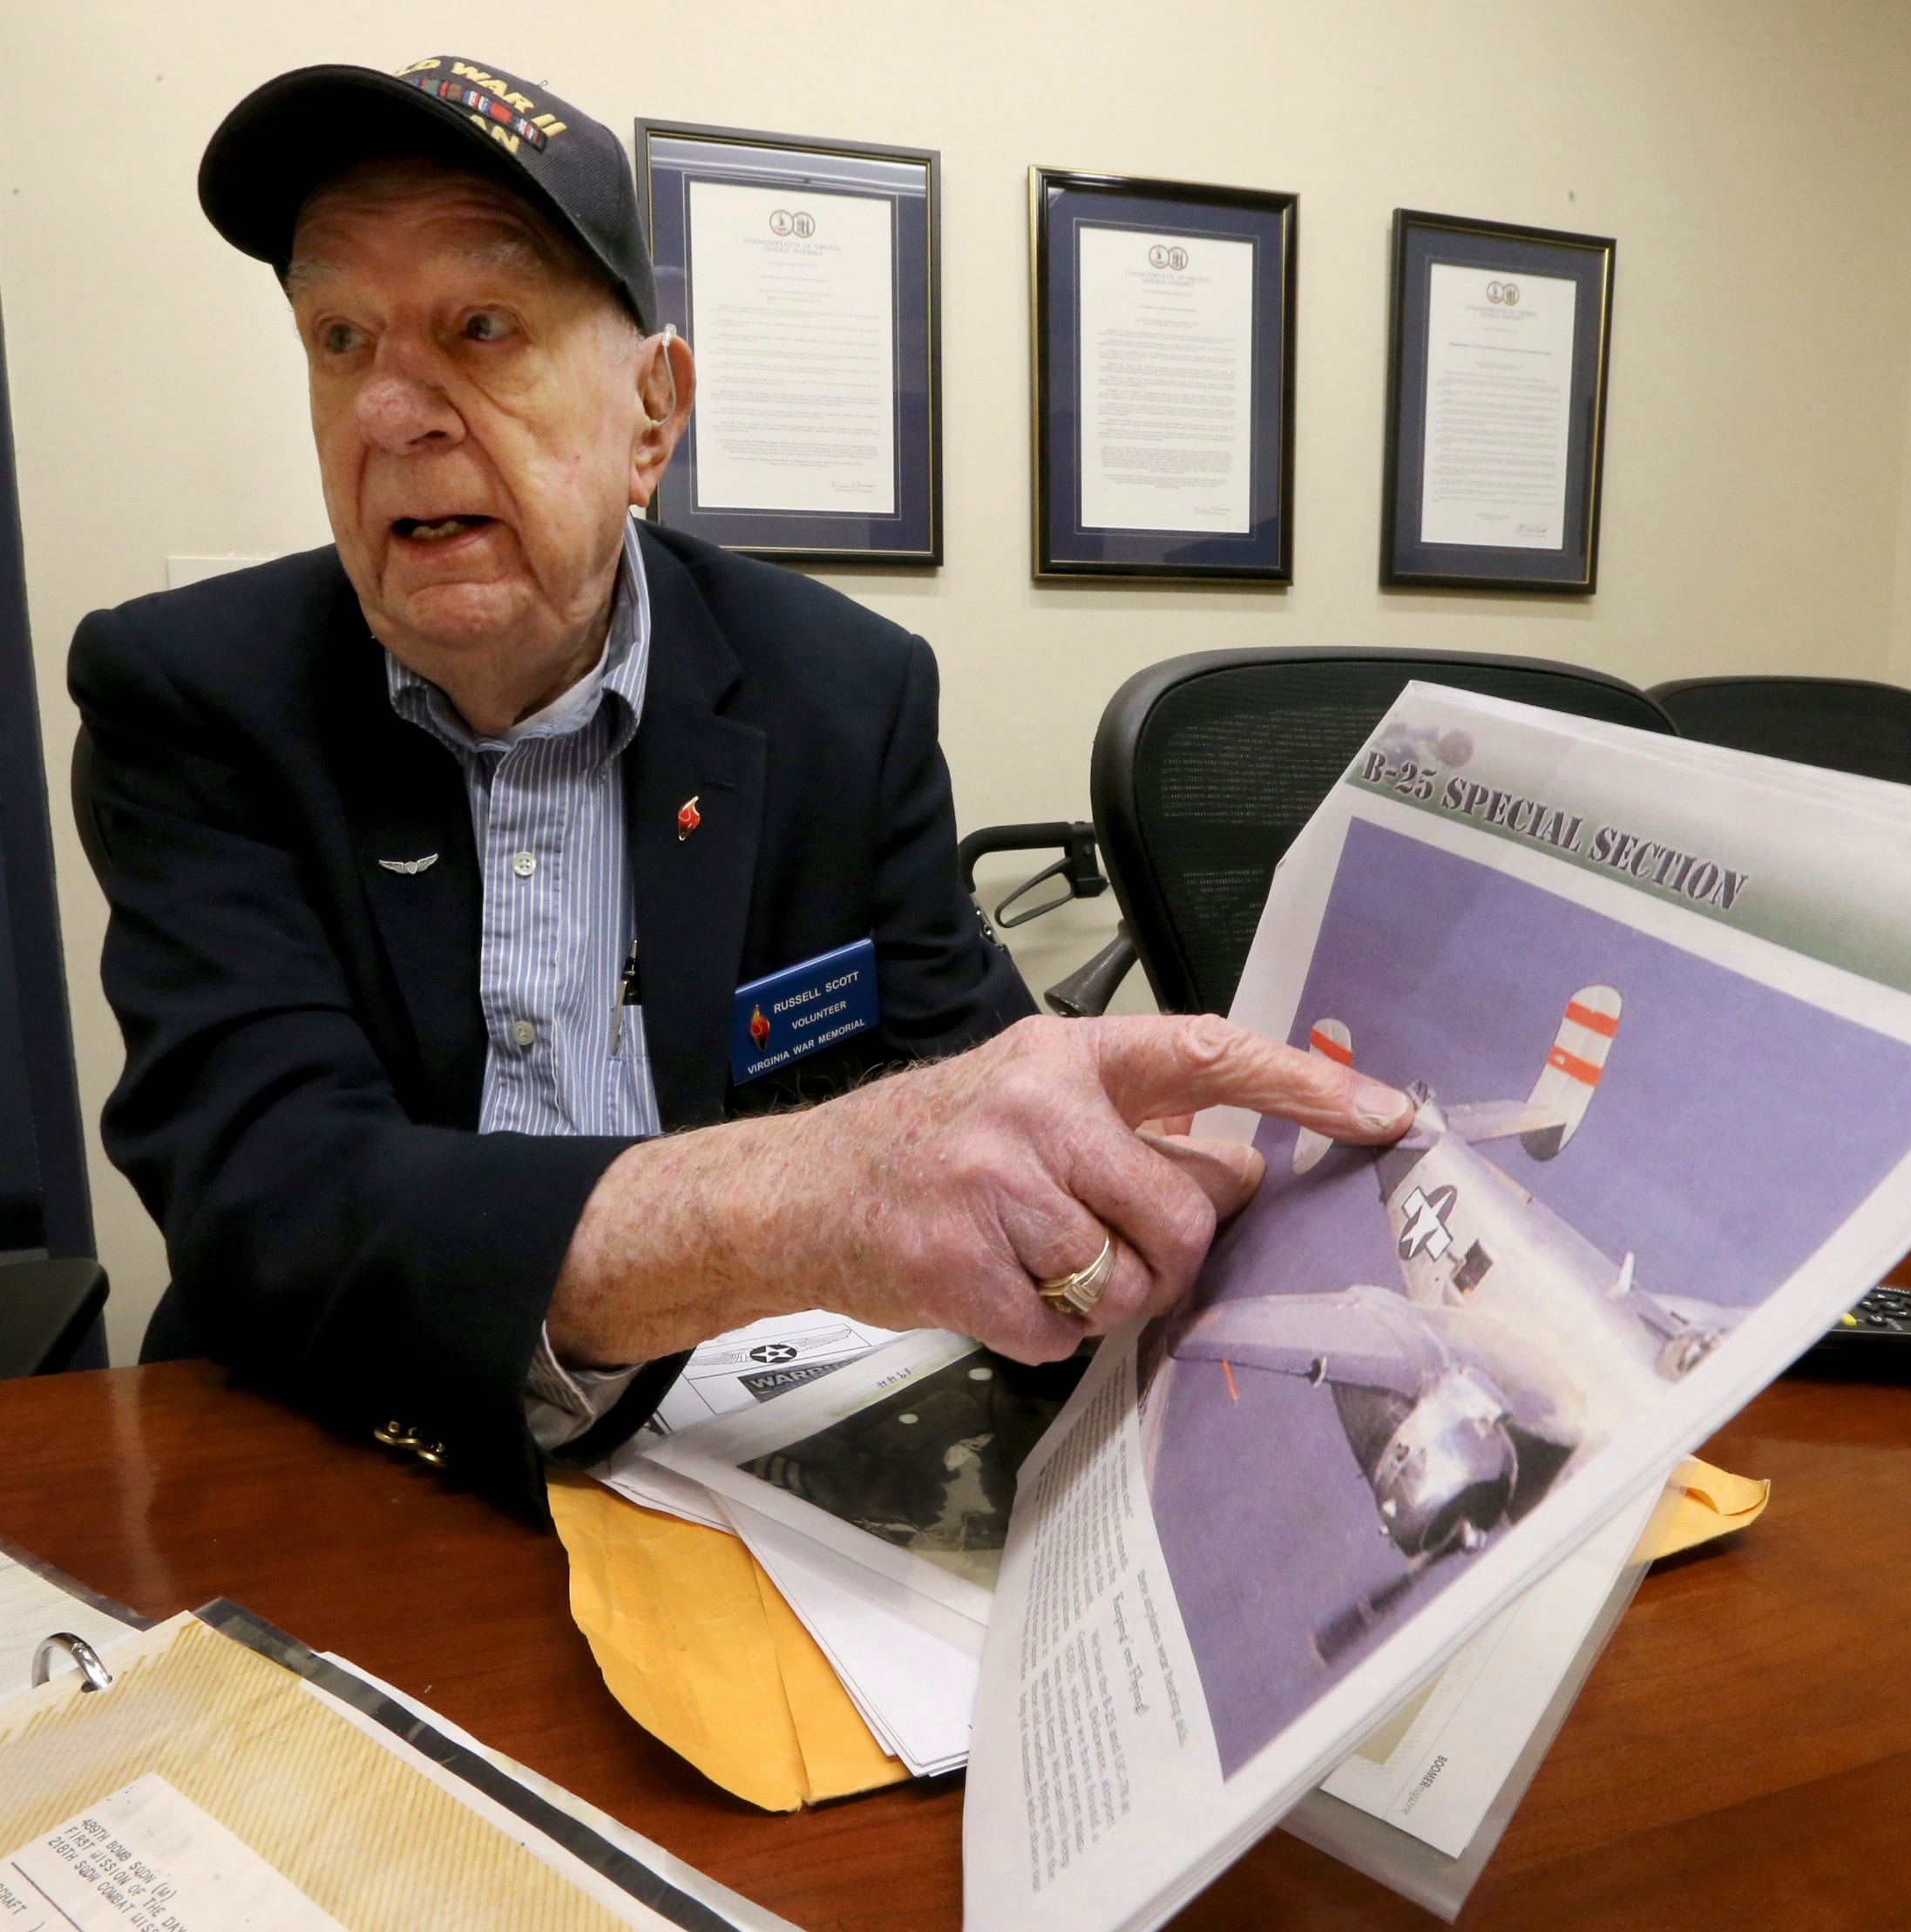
(785, 1015)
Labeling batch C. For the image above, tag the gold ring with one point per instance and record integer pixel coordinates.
(1077, 1294)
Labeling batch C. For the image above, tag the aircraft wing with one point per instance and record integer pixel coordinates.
(1364, 1338)
(1375, 1338)
(1696, 1313)
(1499, 1120)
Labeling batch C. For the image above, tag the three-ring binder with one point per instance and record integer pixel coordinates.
(97, 1675)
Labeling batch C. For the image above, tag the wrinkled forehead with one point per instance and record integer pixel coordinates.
(447, 211)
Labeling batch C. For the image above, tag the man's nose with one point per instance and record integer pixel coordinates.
(403, 409)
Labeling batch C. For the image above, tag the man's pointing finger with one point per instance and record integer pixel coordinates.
(1175, 1064)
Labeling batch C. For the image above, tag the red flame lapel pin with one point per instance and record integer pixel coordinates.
(688, 818)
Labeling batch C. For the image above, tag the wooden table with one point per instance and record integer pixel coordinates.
(1740, 1759)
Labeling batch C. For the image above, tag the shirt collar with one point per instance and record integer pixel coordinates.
(620, 672)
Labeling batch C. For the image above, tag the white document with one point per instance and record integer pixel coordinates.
(875, 1497)
(904, 1462)
(792, 318)
(144, 1859)
(738, 1370)
(1166, 354)
(750, 1366)
(1499, 398)
(1631, 985)
(910, 1665)
(31, 1608)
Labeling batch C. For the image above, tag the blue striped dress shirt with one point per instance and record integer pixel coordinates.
(547, 814)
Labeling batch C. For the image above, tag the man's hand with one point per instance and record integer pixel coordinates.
(939, 1197)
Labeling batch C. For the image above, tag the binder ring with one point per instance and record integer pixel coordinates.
(97, 1675)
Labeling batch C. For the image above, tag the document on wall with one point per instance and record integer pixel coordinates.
(1499, 408)
(792, 315)
(1630, 985)
(1167, 362)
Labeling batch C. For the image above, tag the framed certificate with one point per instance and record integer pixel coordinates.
(1497, 405)
(805, 275)
(1163, 320)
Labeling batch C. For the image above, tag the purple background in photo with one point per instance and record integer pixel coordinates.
(1450, 972)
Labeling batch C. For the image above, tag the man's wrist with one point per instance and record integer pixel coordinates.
(683, 1238)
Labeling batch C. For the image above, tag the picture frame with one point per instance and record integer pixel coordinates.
(805, 273)
(1498, 340)
(1161, 316)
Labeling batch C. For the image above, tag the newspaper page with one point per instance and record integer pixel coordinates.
(732, 1372)
(1653, 1001)
(904, 1462)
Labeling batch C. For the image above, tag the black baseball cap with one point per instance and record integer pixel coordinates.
(286, 138)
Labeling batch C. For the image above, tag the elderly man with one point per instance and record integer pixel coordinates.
(437, 858)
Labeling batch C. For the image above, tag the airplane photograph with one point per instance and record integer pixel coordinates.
(1392, 1357)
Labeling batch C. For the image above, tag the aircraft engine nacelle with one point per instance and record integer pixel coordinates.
(1686, 1350)
(1447, 1473)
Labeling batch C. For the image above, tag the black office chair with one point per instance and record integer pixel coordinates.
(48, 1308)
(1206, 767)
(1844, 724)
(51, 1290)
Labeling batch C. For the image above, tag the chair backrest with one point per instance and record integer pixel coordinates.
(51, 1289)
(44, 1201)
(1844, 724)
(22, 1216)
(1206, 768)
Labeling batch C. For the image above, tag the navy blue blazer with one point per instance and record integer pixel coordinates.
(305, 1049)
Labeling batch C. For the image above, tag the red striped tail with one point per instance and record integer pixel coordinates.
(1574, 1066)
(1331, 1040)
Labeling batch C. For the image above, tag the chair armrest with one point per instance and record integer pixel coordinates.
(46, 1308)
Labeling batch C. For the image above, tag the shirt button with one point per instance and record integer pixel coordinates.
(523, 1031)
(525, 865)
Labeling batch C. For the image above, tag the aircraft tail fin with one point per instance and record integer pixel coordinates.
(1331, 1040)
(1570, 1076)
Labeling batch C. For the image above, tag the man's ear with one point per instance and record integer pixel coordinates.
(666, 385)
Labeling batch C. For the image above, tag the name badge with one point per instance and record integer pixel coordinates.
(785, 1015)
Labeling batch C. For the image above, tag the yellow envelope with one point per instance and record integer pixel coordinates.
(1710, 1503)
(697, 1644)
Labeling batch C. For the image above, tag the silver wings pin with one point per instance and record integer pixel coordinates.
(410, 866)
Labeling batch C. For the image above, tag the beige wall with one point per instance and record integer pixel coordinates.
(1899, 660)
(1750, 156)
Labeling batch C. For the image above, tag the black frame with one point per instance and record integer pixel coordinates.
(1063, 548)
(31, 906)
(913, 534)
(1507, 249)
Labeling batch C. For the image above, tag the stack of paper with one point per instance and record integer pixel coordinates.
(737, 1372)
(875, 1495)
